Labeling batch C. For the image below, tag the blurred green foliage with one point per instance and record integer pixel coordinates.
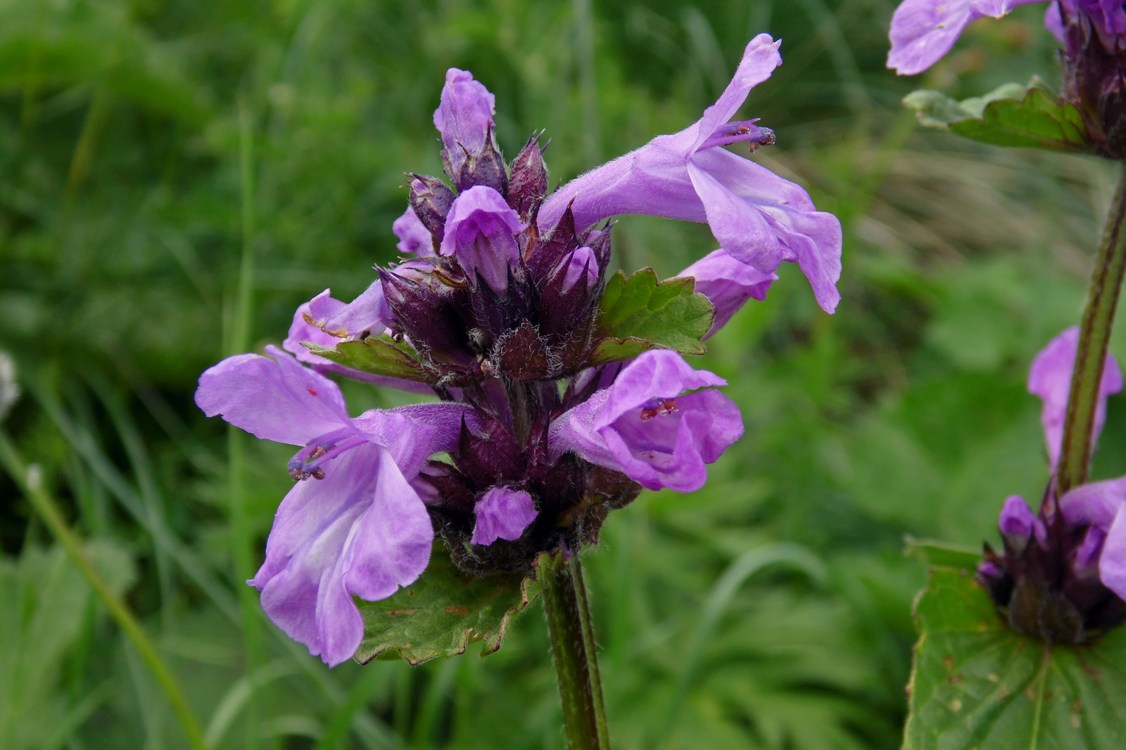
(769, 610)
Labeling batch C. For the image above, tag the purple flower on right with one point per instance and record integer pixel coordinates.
(1093, 33)
(1061, 576)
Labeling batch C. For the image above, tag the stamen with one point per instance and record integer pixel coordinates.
(741, 131)
(310, 460)
(659, 408)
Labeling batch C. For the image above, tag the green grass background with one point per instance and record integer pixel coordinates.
(175, 177)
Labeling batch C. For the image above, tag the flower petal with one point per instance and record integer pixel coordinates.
(762, 219)
(502, 513)
(412, 434)
(480, 231)
(760, 58)
(758, 217)
(728, 283)
(361, 531)
(923, 31)
(642, 426)
(1050, 379)
(414, 238)
(464, 116)
(326, 321)
(273, 398)
(1112, 561)
(1094, 504)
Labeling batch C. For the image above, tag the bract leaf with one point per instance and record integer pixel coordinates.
(378, 355)
(445, 610)
(1030, 116)
(640, 313)
(935, 552)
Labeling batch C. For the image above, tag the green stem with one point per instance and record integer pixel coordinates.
(576, 659)
(43, 504)
(1094, 337)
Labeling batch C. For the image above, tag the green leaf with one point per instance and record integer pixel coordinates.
(48, 609)
(934, 552)
(378, 355)
(640, 313)
(445, 610)
(1011, 115)
(978, 684)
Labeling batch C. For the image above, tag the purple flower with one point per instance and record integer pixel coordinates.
(465, 120)
(502, 513)
(922, 31)
(648, 426)
(758, 217)
(580, 268)
(1050, 379)
(1018, 524)
(414, 237)
(1099, 505)
(480, 233)
(728, 284)
(352, 525)
(1102, 507)
(1052, 559)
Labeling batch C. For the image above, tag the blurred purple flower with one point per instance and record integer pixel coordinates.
(1018, 524)
(923, 31)
(352, 525)
(1102, 507)
(1060, 549)
(758, 217)
(649, 426)
(1050, 379)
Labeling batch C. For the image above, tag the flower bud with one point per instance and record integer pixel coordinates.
(431, 201)
(480, 234)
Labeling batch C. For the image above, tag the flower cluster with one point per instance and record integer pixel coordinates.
(1061, 576)
(539, 430)
(1093, 33)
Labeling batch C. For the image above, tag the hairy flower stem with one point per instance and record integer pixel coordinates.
(1094, 335)
(576, 660)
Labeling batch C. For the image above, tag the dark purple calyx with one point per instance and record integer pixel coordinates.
(1044, 580)
(527, 186)
(1094, 34)
(571, 497)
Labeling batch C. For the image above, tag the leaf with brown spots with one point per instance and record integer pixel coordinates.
(444, 611)
(978, 684)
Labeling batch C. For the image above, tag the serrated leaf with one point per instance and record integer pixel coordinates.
(978, 684)
(640, 313)
(1030, 116)
(445, 610)
(378, 355)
